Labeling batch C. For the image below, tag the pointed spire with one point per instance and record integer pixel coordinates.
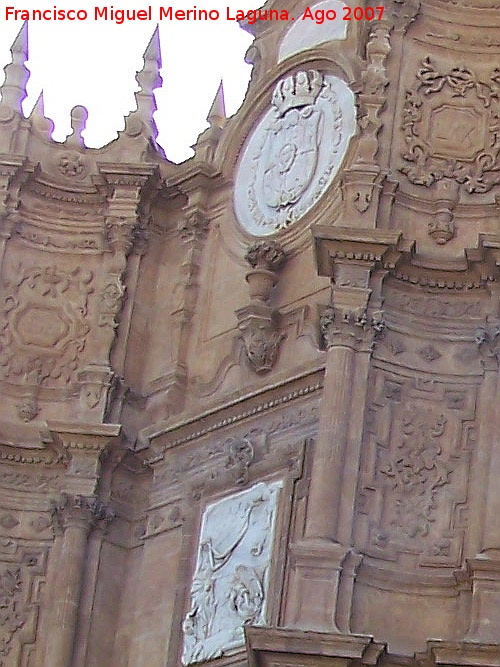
(153, 49)
(38, 119)
(16, 73)
(149, 79)
(217, 114)
(208, 140)
(38, 110)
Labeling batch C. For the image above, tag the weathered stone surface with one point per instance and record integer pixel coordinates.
(164, 371)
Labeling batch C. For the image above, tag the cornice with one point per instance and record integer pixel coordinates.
(391, 251)
(359, 245)
(159, 438)
(280, 646)
(31, 444)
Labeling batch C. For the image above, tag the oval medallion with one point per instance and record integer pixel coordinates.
(294, 152)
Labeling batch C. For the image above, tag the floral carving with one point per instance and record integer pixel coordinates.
(28, 409)
(451, 128)
(71, 165)
(353, 327)
(13, 610)
(262, 343)
(44, 325)
(487, 340)
(415, 469)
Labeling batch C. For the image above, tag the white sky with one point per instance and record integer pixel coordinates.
(94, 63)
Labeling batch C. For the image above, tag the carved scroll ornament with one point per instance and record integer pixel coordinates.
(13, 610)
(44, 324)
(451, 128)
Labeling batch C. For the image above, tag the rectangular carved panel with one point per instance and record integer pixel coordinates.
(412, 501)
(230, 582)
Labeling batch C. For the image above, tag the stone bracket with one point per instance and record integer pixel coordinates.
(280, 647)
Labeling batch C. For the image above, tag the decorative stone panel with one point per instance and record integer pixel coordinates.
(44, 324)
(450, 124)
(413, 497)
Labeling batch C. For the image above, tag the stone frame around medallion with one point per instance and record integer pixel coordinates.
(339, 116)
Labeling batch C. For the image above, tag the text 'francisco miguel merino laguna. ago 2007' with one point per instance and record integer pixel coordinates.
(120, 16)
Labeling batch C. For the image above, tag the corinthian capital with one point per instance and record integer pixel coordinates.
(353, 328)
(76, 511)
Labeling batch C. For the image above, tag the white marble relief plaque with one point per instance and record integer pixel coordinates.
(295, 151)
(230, 582)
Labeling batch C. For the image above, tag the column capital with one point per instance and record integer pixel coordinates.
(352, 328)
(77, 511)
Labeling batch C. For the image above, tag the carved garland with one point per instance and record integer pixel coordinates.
(452, 129)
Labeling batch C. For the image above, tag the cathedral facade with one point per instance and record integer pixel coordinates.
(249, 403)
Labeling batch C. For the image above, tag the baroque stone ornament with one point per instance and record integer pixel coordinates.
(450, 124)
(231, 578)
(351, 328)
(13, 610)
(44, 324)
(295, 151)
(262, 344)
(416, 471)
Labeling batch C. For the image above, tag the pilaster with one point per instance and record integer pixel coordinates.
(354, 261)
(75, 516)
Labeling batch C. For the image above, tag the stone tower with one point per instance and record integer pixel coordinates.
(249, 403)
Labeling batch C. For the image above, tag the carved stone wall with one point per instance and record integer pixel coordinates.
(249, 402)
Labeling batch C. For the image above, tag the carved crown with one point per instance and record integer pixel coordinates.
(297, 90)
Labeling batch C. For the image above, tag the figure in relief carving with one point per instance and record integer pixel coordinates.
(247, 595)
(230, 581)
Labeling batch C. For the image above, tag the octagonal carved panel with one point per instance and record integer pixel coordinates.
(44, 324)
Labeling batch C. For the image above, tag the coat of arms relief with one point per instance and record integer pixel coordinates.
(295, 151)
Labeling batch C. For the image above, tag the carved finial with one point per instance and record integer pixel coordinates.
(149, 79)
(38, 119)
(153, 49)
(79, 117)
(16, 72)
(217, 114)
(207, 142)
